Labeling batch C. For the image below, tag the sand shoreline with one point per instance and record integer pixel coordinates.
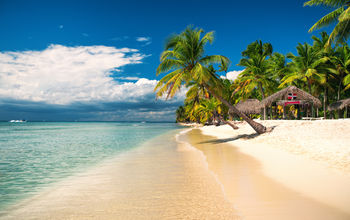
(309, 167)
(229, 175)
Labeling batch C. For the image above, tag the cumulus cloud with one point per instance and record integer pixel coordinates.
(79, 80)
(232, 75)
(62, 75)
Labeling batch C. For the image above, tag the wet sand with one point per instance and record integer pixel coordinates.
(160, 180)
(256, 195)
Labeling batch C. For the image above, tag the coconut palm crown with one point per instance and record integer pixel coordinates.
(340, 16)
(184, 57)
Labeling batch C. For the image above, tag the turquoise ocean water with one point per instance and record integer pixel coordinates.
(34, 155)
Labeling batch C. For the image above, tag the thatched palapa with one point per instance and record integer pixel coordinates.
(283, 95)
(338, 105)
(250, 106)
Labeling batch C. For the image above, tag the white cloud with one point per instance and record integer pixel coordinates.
(63, 75)
(232, 75)
(143, 39)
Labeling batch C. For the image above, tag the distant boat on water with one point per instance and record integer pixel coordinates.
(18, 121)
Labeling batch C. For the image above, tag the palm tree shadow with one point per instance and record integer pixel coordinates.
(241, 136)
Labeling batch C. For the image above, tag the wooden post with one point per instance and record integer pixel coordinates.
(284, 111)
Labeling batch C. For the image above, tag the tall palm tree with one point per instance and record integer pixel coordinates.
(256, 65)
(325, 53)
(255, 61)
(341, 67)
(340, 16)
(278, 67)
(304, 66)
(184, 58)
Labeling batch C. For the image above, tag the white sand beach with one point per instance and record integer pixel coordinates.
(299, 167)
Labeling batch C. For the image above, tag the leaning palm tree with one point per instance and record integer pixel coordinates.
(340, 16)
(184, 58)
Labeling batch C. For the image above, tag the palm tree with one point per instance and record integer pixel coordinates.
(278, 67)
(324, 52)
(347, 82)
(185, 60)
(304, 66)
(191, 110)
(340, 16)
(180, 114)
(209, 110)
(256, 67)
(341, 67)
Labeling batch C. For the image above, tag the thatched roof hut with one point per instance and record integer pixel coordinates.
(338, 105)
(249, 106)
(283, 95)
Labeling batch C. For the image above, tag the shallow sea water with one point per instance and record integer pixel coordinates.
(35, 155)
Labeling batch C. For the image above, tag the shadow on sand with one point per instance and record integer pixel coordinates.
(241, 136)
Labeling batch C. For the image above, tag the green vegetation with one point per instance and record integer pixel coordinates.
(185, 60)
(322, 69)
(340, 16)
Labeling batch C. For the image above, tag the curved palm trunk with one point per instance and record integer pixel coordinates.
(232, 125)
(309, 87)
(259, 128)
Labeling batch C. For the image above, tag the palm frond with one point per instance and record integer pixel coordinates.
(328, 3)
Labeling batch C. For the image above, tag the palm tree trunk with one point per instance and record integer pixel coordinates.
(229, 123)
(262, 98)
(339, 89)
(309, 85)
(259, 128)
(325, 98)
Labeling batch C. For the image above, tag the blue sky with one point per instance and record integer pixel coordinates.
(84, 60)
